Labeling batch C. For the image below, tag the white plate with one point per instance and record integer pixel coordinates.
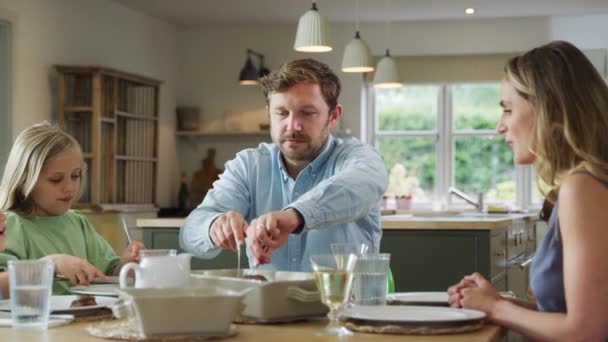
(103, 290)
(410, 315)
(61, 304)
(54, 320)
(422, 298)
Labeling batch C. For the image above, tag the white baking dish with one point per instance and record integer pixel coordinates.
(285, 296)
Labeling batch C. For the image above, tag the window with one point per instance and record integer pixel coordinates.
(444, 135)
(482, 161)
(407, 133)
(5, 92)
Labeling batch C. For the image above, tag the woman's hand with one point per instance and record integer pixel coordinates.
(131, 253)
(480, 296)
(78, 271)
(454, 295)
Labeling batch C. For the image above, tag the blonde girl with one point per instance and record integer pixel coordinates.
(555, 115)
(42, 178)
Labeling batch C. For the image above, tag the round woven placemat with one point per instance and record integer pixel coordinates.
(419, 330)
(123, 330)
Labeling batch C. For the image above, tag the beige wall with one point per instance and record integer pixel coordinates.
(211, 56)
(48, 32)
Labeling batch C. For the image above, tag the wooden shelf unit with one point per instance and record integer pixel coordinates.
(114, 117)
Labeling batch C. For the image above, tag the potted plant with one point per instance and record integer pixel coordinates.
(401, 187)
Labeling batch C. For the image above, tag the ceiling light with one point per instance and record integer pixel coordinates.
(387, 74)
(313, 32)
(357, 55)
(469, 10)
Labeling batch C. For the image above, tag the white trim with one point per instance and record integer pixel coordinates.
(366, 104)
(474, 133)
(443, 179)
(407, 133)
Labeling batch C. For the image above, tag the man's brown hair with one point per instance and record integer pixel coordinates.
(303, 70)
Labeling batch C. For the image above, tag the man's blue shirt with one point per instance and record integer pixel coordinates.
(337, 194)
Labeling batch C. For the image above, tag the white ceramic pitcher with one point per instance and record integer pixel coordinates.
(158, 271)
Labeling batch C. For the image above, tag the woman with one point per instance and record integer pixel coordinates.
(555, 115)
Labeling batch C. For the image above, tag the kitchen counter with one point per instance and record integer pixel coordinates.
(294, 332)
(426, 220)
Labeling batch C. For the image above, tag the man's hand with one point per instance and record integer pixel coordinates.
(228, 229)
(269, 232)
(78, 271)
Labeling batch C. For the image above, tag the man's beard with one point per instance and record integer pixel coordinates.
(303, 154)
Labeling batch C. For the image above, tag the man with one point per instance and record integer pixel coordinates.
(299, 194)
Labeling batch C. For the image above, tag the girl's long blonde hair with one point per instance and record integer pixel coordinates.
(34, 147)
(570, 101)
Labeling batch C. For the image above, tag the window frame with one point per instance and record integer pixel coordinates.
(445, 137)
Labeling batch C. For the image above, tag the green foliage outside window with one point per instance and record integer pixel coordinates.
(481, 163)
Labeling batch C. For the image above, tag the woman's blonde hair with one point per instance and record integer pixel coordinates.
(570, 101)
(34, 147)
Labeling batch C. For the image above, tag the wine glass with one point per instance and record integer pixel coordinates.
(358, 249)
(334, 275)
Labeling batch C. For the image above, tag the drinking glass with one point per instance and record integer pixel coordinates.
(156, 252)
(334, 275)
(348, 248)
(357, 249)
(31, 283)
(370, 276)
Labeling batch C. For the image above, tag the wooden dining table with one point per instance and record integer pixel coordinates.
(292, 332)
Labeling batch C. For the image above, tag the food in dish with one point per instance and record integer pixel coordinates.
(83, 300)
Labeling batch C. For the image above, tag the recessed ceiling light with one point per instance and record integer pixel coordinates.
(469, 10)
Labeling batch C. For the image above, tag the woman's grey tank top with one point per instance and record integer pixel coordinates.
(547, 270)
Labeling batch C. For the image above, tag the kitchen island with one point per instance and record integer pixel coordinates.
(429, 250)
(293, 332)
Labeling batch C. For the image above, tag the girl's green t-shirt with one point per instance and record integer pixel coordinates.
(71, 233)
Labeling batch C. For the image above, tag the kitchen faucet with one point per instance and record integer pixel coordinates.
(478, 204)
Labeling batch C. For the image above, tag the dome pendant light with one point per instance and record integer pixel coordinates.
(357, 55)
(313, 32)
(387, 73)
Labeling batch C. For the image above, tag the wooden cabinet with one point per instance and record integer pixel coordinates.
(114, 116)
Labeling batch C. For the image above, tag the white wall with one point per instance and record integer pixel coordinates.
(91, 32)
(211, 56)
(586, 32)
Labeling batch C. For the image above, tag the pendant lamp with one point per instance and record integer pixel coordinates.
(313, 32)
(357, 55)
(387, 73)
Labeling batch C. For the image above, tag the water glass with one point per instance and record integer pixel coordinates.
(156, 252)
(371, 279)
(348, 248)
(31, 284)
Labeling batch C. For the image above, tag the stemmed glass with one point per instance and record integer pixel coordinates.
(358, 249)
(334, 275)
